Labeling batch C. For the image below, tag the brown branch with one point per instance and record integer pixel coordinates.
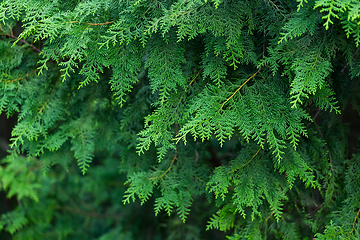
(317, 113)
(195, 77)
(25, 42)
(20, 40)
(316, 209)
(343, 70)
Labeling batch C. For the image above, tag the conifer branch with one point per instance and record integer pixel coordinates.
(239, 88)
(20, 40)
(353, 226)
(347, 64)
(317, 113)
(252, 157)
(272, 213)
(167, 170)
(277, 8)
(182, 96)
(199, 178)
(20, 78)
(174, 16)
(316, 209)
(194, 78)
(147, 10)
(301, 60)
(29, 44)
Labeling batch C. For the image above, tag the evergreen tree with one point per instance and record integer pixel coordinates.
(221, 114)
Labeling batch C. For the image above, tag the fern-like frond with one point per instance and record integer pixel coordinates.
(83, 143)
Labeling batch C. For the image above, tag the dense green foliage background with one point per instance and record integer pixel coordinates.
(219, 117)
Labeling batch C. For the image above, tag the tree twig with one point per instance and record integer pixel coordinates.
(343, 70)
(167, 170)
(20, 40)
(239, 88)
(182, 96)
(20, 78)
(352, 229)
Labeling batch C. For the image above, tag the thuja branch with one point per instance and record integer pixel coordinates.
(257, 152)
(178, 104)
(20, 78)
(252, 157)
(178, 139)
(167, 170)
(316, 209)
(20, 40)
(347, 64)
(272, 213)
(182, 96)
(277, 8)
(352, 229)
(239, 88)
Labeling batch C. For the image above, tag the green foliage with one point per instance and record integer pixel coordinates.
(227, 113)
